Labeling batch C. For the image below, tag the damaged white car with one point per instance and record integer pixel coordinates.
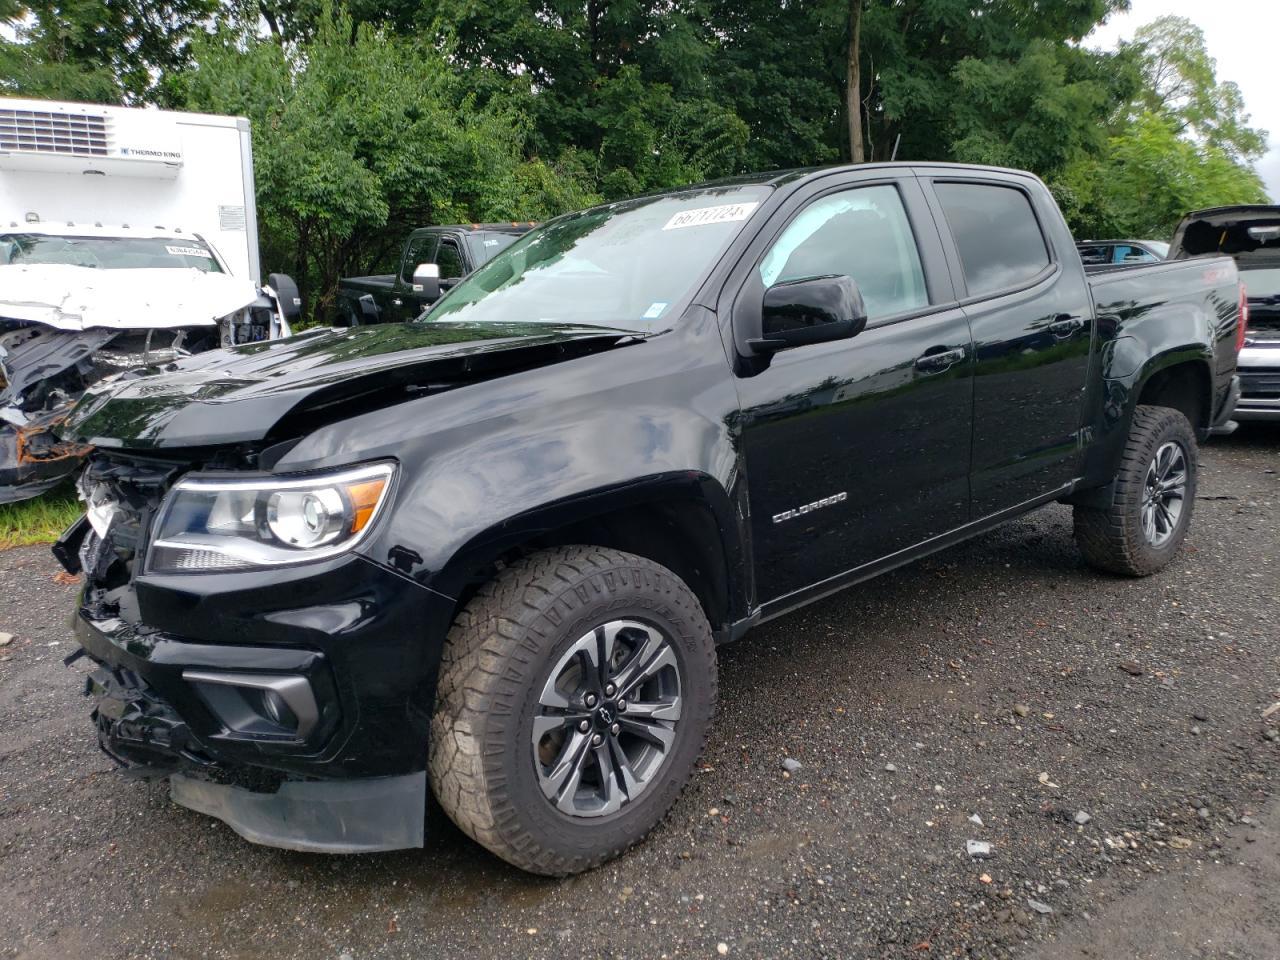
(81, 304)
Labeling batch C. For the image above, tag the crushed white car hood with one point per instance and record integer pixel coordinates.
(77, 298)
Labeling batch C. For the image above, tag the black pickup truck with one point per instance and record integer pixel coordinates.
(454, 250)
(492, 552)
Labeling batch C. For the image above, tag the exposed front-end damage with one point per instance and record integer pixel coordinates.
(51, 353)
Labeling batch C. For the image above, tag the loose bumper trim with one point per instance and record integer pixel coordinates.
(317, 816)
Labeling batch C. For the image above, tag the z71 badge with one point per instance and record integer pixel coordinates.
(810, 507)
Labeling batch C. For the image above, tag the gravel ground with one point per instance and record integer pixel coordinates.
(1001, 679)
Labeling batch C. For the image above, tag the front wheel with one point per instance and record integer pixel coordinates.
(1152, 498)
(575, 692)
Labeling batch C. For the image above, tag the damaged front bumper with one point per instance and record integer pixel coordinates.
(147, 737)
(265, 696)
(139, 728)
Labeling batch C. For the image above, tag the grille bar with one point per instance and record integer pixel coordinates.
(43, 131)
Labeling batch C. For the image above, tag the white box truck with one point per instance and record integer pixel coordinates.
(128, 238)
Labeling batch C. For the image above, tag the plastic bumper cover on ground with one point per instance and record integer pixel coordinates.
(325, 816)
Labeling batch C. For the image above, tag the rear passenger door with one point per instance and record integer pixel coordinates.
(1023, 291)
(857, 448)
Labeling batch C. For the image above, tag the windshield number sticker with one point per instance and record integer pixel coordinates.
(705, 216)
(187, 252)
(655, 310)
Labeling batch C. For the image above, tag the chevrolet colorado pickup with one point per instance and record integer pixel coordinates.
(453, 251)
(492, 552)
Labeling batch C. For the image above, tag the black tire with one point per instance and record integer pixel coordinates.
(1113, 538)
(508, 640)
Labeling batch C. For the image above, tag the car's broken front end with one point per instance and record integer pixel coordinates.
(44, 370)
(48, 359)
(264, 694)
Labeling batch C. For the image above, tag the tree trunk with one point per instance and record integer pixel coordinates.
(853, 83)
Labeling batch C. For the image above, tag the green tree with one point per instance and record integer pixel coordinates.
(824, 80)
(1181, 83)
(625, 83)
(1149, 178)
(359, 136)
(1180, 142)
(1038, 111)
(116, 52)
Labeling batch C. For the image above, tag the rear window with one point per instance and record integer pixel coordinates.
(486, 245)
(997, 234)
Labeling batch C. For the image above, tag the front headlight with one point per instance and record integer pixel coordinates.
(208, 524)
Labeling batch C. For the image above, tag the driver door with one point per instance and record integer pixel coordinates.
(857, 449)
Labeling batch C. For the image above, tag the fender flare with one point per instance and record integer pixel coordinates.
(727, 557)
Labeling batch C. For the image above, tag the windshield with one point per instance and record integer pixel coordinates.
(628, 265)
(1262, 283)
(107, 253)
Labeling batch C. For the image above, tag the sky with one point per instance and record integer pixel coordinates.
(1241, 36)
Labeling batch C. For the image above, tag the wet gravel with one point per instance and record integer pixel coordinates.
(1001, 680)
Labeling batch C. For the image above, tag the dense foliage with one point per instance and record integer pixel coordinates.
(379, 115)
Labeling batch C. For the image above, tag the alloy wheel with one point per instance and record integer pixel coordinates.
(606, 718)
(1164, 493)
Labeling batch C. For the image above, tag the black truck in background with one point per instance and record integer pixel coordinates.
(454, 250)
(491, 552)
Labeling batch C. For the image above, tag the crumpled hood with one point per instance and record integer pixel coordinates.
(77, 298)
(248, 393)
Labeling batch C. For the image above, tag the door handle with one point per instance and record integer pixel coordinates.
(937, 362)
(1065, 326)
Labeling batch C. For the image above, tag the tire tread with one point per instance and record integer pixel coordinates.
(490, 653)
(1107, 536)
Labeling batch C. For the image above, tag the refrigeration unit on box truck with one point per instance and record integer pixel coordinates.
(128, 238)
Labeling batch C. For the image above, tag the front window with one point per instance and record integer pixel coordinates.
(629, 265)
(420, 250)
(863, 234)
(107, 253)
(449, 260)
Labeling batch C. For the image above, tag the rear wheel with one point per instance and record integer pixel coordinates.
(1152, 498)
(575, 693)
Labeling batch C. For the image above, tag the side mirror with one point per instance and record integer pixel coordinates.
(286, 295)
(800, 312)
(426, 282)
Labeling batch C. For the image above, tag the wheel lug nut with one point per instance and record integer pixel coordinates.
(622, 706)
(609, 689)
(597, 740)
(591, 699)
(616, 729)
(584, 726)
